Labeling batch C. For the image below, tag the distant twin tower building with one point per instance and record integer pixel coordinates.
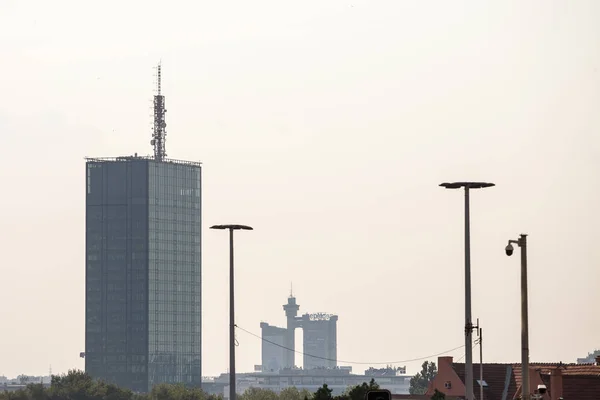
(320, 340)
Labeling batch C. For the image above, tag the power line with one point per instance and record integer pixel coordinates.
(475, 345)
(349, 362)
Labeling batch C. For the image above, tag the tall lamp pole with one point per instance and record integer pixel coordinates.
(232, 392)
(522, 243)
(468, 320)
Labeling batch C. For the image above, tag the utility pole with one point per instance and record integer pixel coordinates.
(480, 334)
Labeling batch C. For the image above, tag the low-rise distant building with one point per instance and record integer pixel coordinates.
(10, 387)
(387, 371)
(590, 359)
(338, 379)
(21, 382)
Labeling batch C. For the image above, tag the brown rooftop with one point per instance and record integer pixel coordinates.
(499, 378)
(565, 369)
(580, 387)
(503, 381)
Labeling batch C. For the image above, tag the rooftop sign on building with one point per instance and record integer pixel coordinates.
(319, 317)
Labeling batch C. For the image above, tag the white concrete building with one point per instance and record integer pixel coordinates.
(337, 379)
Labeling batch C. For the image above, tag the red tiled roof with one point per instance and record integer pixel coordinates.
(580, 381)
(566, 369)
(495, 375)
(579, 387)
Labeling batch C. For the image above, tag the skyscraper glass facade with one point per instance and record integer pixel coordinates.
(174, 273)
(143, 272)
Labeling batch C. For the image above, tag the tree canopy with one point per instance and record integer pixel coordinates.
(323, 393)
(358, 392)
(259, 394)
(420, 382)
(77, 385)
(292, 393)
(438, 395)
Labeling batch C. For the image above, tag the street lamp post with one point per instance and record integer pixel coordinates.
(232, 393)
(522, 243)
(468, 320)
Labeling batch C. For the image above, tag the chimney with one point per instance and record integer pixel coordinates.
(556, 384)
(445, 361)
(444, 367)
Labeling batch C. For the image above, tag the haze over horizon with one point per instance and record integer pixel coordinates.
(327, 126)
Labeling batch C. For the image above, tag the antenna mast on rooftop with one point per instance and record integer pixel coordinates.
(159, 132)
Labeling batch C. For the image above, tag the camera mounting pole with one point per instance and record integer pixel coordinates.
(479, 341)
(525, 390)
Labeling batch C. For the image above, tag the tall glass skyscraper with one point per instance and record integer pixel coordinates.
(143, 271)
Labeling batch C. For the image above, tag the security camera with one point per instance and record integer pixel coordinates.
(542, 389)
(509, 249)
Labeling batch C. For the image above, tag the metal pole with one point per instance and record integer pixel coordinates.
(468, 323)
(232, 393)
(524, 320)
(480, 363)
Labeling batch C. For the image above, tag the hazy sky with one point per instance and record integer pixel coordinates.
(326, 125)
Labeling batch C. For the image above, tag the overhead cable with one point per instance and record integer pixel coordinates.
(349, 362)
